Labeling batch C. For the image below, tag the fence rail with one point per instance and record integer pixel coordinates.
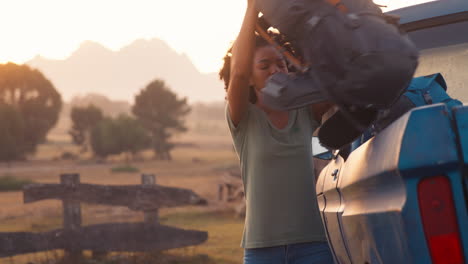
(139, 198)
(137, 237)
(74, 238)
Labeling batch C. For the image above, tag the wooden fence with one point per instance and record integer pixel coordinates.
(74, 238)
(230, 188)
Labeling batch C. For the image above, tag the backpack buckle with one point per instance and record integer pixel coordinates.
(427, 97)
(313, 22)
(354, 20)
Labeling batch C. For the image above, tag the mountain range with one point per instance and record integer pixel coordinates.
(119, 75)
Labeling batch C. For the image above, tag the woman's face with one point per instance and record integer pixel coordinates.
(267, 61)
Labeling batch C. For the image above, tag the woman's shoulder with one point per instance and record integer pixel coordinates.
(250, 118)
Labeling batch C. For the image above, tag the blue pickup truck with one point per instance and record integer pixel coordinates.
(402, 197)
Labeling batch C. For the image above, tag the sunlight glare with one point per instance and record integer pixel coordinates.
(202, 29)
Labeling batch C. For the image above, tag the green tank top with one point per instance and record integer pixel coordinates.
(277, 172)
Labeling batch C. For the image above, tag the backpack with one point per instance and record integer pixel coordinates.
(425, 90)
(358, 59)
(430, 89)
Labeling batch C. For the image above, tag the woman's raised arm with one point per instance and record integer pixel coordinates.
(241, 65)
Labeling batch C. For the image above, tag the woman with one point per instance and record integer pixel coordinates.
(283, 223)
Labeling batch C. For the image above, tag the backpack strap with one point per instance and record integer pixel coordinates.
(438, 78)
(426, 94)
(427, 97)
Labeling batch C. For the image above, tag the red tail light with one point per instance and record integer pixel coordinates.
(440, 220)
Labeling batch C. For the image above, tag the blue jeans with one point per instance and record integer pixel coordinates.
(302, 253)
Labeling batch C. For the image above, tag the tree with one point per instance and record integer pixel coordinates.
(123, 134)
(11, 133)
(162, 113)
(34, 98)
(84, 119)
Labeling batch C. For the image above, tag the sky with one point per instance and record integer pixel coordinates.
(202, 29)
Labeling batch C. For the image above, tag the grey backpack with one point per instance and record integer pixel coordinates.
(357, 58)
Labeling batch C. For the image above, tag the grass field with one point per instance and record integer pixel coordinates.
(197, 165)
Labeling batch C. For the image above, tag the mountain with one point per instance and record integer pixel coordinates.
(93, 68)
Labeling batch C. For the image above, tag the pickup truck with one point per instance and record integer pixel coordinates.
(402, 196)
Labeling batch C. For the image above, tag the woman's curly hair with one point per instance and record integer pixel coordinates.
(280, 39)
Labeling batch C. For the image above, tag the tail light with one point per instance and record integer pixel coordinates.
(440, 220)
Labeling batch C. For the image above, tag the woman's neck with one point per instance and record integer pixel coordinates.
(269, 111)
(279, 119)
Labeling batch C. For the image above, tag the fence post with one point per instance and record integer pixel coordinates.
(220, 191)
(151, 216)
(71, 214)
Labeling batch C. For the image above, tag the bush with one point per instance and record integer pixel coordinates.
(10, 183)
(123, 134)
(68, 156)
(126, 168)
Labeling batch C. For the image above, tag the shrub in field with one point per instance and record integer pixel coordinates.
(104, 140)
(126, 168)
(67, 155)
(133, 137)
(123, 134)
(10, 183)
